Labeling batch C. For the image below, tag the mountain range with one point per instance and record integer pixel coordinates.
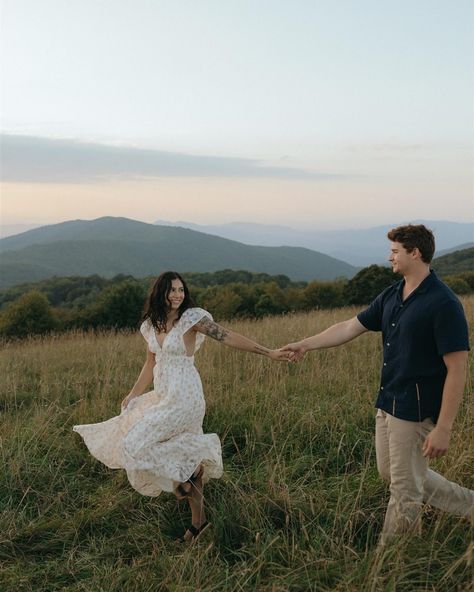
(108, 246)
(359, 247)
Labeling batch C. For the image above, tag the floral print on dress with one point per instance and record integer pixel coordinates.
(158, 439)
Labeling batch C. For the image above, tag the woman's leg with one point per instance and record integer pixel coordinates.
(183, 490)
(196, 503)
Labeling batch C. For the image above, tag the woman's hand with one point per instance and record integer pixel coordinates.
(127, 400)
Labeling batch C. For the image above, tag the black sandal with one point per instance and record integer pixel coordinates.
(192, 481)
(194, 531)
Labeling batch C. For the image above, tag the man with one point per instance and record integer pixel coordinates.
(425, 345)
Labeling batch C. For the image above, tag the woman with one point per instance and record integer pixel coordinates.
(158, 437)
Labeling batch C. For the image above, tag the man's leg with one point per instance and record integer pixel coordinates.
(408, 470)
(449, 496)
(443, 494)
(400, 461)
(381, 446)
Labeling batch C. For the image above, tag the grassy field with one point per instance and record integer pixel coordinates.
(300, 505)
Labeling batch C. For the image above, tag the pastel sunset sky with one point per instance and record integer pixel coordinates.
(314, 114)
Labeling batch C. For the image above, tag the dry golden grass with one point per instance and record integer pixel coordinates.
(300, 505)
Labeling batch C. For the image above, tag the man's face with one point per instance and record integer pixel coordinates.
(401, 260)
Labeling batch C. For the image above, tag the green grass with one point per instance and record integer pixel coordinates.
(300, 505)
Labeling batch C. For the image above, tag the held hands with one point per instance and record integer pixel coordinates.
(295, 351)
(436, 442)
(278, 355)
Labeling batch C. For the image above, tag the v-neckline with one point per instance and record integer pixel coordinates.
(160, 345)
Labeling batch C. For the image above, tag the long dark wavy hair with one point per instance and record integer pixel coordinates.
(156, 305)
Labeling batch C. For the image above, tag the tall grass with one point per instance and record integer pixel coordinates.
(299, 508)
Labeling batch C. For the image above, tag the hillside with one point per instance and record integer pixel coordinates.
(455, 262)
(108, 246)
(357, 246)
(453, 249)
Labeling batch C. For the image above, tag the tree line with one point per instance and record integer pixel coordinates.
(94, 302)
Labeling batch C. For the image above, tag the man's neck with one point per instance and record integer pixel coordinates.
(414, 279)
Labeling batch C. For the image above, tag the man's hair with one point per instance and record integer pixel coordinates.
(414, 236)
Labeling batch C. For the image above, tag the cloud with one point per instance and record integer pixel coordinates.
(45, 160)
(392, 148)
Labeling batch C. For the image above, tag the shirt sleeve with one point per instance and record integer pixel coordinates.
(371, 317)
(450, 328)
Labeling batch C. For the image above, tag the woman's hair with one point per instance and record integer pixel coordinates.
(415, 236)
(157, 306)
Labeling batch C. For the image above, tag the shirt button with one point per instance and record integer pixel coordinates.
(401, 305)
(381, 388)
(385, 363)
(393, 324)
(388, 344)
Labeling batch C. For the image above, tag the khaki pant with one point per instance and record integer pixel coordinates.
(401, 463)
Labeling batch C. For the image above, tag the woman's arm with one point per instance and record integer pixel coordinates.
(144, 379)
(233, 339)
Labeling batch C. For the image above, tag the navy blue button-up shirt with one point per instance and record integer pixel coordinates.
(416, 333)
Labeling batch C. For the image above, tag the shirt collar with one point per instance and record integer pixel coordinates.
(426, 283)
(422, 288)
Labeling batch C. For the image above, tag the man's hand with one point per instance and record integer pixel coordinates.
(295, 351)
(437, 442)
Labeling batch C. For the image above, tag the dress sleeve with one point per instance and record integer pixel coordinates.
(190, 317)
(146, 329)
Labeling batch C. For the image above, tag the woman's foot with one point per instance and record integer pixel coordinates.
(193, 532)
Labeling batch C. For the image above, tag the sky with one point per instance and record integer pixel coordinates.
(314, 114)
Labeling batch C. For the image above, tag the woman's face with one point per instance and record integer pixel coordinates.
(175, 295)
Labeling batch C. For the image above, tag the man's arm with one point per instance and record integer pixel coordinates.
(437, 441)
(335, 335)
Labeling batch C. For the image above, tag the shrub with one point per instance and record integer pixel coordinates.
(323, 295)
(223, 302)
(457, 284)
(368, 283)
(118, 306)
(31, 314)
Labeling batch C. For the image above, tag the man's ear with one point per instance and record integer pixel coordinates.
(416, 254)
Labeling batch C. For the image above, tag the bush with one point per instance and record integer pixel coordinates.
(368, 283)
(272, 300)
(323, 295)
(468, 277)
(222, 302)
(31, 314)
(118, 306)
(457, 284)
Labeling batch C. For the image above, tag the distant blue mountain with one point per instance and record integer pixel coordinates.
(360, 247)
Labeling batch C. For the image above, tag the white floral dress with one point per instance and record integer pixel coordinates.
(158, 439)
